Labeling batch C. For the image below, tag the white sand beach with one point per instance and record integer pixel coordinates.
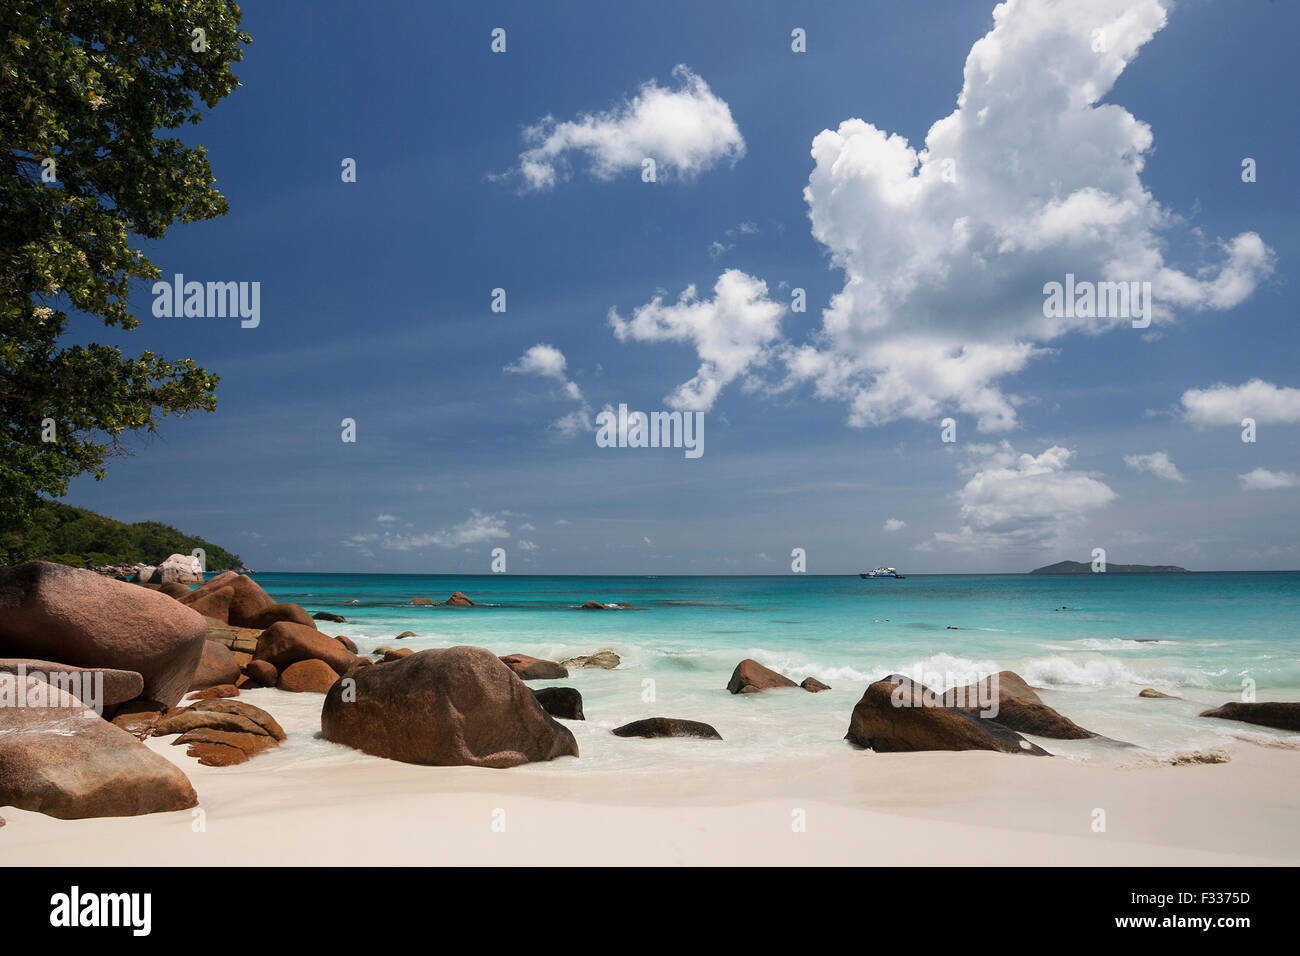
(315, 803)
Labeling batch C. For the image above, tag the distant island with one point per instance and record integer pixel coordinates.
(1084, 567)
(82, 538)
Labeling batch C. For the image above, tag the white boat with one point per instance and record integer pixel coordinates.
(880, 573)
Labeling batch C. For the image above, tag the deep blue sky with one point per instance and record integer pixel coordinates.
(375, 300)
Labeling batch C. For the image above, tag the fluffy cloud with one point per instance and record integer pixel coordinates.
(1157, 463)
(549, 362)
(1228, 404)
(1021, 502)
(476, 529)
(686, 130)
(731, 332)
(945, 249)
(1261, 479)
(894, 524)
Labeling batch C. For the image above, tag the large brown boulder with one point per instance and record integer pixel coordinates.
(247, 602)
(533, 668)
(750, 677)
(313, 677)
(1266, 713)
(118, 686)
(67, 614)
(67, 762)
(667, 727)
(1014, 704)
(458, 706)
(285, 643)
(896, 714)
(283, 612)
(214, 604)
(218, 665)
(174, 590)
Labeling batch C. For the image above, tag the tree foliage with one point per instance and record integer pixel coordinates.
(86, 86)
(59, 532)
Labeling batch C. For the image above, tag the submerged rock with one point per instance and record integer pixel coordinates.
(327, 616)
(667, 727)
(458, 599)
(458, 706)
(602, 660)
(813, 685)
(898, 715)
(1152, 693)
(750, 677)
(1283, 716)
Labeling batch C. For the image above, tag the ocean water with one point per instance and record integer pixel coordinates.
(1089, 642)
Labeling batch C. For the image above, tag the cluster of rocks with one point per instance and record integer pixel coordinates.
(145, 649)
(457, 599)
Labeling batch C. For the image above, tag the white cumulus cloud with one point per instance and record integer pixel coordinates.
(685, 129)
(946, 248)
(1157, 463)
(894, 524)
(476, 529)
(549, 362)
(1261, 479)
(1021, 502)
(731, 332)
(1228, 404)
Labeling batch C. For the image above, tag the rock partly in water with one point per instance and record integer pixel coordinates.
(238, 707)
(532, 668)
(313, 677)
(562, 702)
(423, 601)
(327, 616)
(285, 643)
(1015, 705)
(453, 707)
(459, 599)
(750, 677)
(898, 715)
(346, 642)
(602, 660)
(1266, 713)
(404, 634)
(67, 762)
(52, 612)
(813, 685)
(667, 727)
(1153, 694)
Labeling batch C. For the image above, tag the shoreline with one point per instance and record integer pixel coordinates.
(932, 808)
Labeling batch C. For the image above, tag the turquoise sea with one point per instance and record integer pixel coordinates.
(1091, 642)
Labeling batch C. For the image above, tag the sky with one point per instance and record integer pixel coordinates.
(916, 178)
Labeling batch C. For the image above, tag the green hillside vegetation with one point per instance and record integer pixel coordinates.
(1084, 567)
(79, 537)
